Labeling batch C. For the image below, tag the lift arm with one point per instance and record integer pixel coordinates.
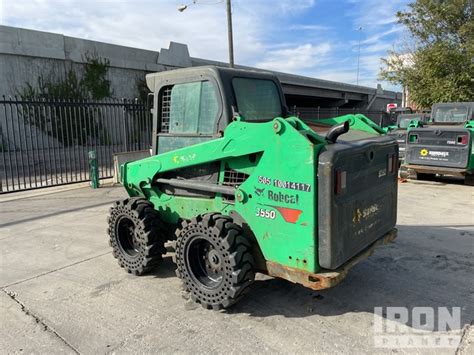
(240, 138)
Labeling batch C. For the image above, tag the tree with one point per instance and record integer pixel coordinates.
(95, 80)
(89, 83)
(67, 120)
(437, 65)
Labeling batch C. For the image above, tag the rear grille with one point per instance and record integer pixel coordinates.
(165, 109)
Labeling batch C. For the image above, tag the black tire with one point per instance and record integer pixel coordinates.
(135, 235)
(213, 260)
(425, 176)
(469, 180)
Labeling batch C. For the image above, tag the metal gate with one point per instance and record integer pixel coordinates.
(45, 142)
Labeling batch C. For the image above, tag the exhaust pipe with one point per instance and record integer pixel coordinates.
(336, 131)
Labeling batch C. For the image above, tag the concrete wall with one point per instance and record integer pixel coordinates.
(26, 54)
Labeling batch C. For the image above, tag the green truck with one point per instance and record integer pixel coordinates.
(236, 186)
(443, 147)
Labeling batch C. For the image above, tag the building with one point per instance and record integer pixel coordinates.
(27, 55)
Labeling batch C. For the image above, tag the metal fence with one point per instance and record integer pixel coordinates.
(379, 117)
(45, 142)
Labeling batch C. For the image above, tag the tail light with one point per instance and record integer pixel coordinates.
(341, 179)
(392, 163)
(462, 139)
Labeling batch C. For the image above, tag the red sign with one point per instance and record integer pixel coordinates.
(391, 106)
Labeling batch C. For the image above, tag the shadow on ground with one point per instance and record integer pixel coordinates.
(412, 272)
(54, 214)
(167, 268)
(439, 180)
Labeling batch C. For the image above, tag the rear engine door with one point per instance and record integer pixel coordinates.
(439, 146)
(357, 197)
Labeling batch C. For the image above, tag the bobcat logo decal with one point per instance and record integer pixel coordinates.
(259, 192)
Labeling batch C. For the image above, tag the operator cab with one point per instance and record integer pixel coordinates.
(193, 105)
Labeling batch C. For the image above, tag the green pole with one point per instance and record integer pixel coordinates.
(93, 170)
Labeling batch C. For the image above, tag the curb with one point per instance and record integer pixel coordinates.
(53, 189)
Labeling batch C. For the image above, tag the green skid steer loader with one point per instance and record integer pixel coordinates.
(237, 186)
(445, 146)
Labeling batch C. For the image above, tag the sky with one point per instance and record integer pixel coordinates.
(316, 38)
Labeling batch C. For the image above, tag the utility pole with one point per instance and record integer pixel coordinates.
(358, 56)
(182, 8)
(229, 34)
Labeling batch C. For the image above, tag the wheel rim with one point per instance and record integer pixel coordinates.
(126, 236)
(205, 263)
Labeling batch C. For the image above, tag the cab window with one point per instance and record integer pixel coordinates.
(189, 108)
(405, 121)
(257, 99)
(451, 114)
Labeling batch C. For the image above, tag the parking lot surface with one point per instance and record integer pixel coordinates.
(63, 292)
